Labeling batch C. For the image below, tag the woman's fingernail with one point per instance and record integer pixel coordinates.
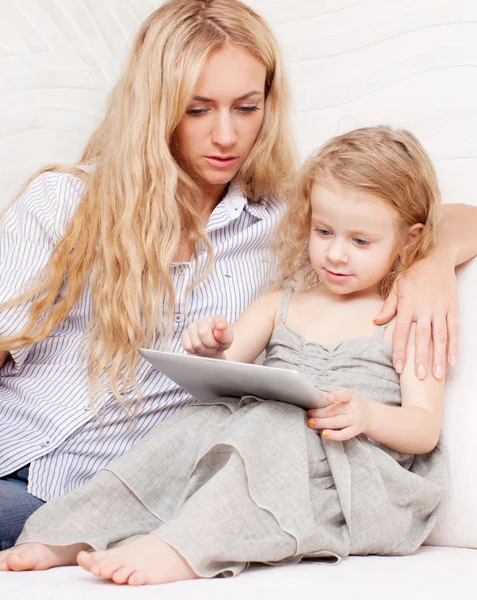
(421, 372)
(453, 359)
(325, 434)
(438, 371)
(398, 366)
(311, 423)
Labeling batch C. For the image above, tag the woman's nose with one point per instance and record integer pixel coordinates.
(224, 133)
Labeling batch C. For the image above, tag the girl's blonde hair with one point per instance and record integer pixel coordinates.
(139, 202)
(387, 163)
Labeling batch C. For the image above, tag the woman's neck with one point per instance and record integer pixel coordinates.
(211, 197)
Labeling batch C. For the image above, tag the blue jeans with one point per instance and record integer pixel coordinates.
(16, 505)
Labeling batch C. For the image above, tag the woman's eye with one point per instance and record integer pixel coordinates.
(248, 109)
(196, 112)
(361, 242)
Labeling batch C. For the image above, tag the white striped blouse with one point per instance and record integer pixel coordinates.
(45, 419)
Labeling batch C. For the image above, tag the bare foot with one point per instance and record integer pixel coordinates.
(32, 556)
(146, 560)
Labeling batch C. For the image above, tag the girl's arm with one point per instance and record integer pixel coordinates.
(242, 342)
(413, 427)
(3, 356)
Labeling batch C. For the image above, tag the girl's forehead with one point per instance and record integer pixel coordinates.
(351, 206)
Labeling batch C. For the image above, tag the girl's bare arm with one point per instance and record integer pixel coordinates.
(415, 426)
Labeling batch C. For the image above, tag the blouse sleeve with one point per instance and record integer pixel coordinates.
(32, 227)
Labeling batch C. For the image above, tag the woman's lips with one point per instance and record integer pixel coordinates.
(221, 163)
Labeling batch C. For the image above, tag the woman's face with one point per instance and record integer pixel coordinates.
(216, 135)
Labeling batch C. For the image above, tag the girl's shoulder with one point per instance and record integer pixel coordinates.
(389, 330)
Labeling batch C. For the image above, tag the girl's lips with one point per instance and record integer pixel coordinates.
(221, 163)
(337, 276)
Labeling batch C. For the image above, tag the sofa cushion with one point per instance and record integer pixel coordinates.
(457, 522)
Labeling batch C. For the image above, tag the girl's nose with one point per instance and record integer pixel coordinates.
(336, 253)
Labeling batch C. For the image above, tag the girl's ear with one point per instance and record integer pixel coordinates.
(414, 234)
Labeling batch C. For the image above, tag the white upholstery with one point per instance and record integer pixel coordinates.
(457, 524)
(352, 63)
(431, 574)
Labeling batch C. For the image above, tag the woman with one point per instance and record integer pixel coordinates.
(168, 217)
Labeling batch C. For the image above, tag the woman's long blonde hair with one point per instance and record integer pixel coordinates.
(388, 163)
(138, 201)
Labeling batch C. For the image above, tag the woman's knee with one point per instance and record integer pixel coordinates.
(16, 505)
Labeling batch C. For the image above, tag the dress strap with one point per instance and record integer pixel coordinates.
(380, 329)
(286, 296)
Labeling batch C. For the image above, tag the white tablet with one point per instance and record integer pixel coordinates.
(209, 378)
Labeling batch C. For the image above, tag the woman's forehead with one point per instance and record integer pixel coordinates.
(230, 74)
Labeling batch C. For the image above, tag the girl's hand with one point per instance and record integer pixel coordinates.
(208, 336)
(426, 294)
(344, 418)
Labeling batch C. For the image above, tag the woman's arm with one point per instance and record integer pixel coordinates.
(3, 356)
(413, 427)
(433, 278)
(458, 232)
(242, 342)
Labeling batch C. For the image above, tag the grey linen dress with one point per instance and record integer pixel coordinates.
(241, 481)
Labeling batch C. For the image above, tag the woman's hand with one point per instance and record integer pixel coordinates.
(346, 416)
(208, 336)
(426, 294)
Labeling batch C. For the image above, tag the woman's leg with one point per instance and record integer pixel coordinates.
(16, 505)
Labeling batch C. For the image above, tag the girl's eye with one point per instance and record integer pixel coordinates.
(196, 112)
(361, 242)
(323, 231)
(248, 109)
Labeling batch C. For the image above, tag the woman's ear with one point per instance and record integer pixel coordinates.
(414, 234)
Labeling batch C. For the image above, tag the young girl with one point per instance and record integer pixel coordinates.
(237, 481)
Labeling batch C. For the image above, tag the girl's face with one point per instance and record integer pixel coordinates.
(216, 135)
(354, 238)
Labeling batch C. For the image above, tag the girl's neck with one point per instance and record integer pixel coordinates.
(320, 316)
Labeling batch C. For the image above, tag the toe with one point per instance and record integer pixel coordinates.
(26, 558)
(108, 568)
(122, 574)
(85, 559)
(139, 578)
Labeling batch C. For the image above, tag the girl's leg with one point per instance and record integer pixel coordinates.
(100, 513)
(145, 560)
(140, 492)
(16, 505)
(219, 529)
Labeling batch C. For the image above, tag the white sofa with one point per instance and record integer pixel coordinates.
(352, 63)
(446, 569)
